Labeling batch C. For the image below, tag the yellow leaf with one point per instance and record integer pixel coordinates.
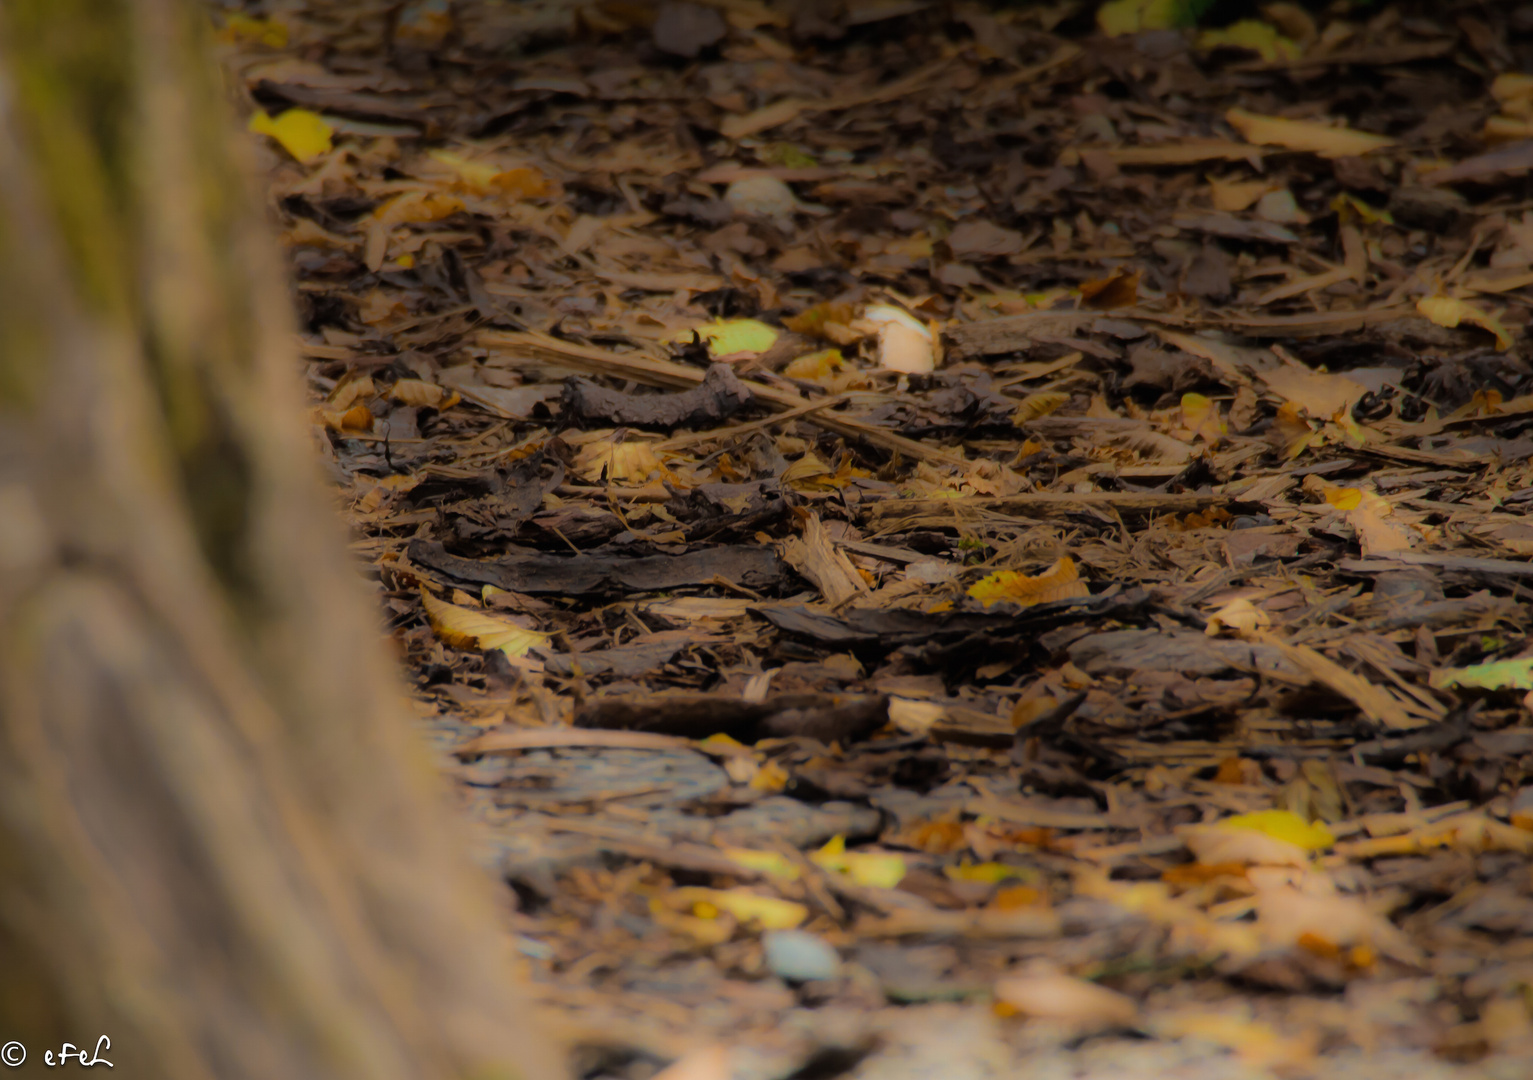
(1347, 204)
(238, 27)
(812, 367)
(523, 182)
(1059, 582)
(1449, 311)
(1035, 405)
(1201, 417)
(770, 777)
(483, 177)
(725, 338)
(769, 912)
(1239, 615)
(1294, 434)
(878, 869)
(630, 462)
(1117, 17)
(418, 207)
(986, 873)
(356, 418)
(764, 862)
(477, 176)
(1253, 34)
(1344, 498)
(302, 133)
(420, 393)
(1233, 196)
(1283, 825)
(465, 628)
(1305, 135)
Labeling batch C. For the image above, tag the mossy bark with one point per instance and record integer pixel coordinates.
(218, 843)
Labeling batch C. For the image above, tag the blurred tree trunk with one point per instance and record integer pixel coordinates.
(218, 843)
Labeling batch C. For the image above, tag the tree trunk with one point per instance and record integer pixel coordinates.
(219, 845)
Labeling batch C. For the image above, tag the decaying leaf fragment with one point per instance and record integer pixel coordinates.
(1059, 582)
(1450, 312)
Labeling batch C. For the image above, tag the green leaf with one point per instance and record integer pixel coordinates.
(1501, 675)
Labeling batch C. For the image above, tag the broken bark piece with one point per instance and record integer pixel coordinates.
(754, 568)
(720, 395)
(826, 717)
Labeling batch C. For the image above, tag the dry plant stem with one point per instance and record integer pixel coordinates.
(218, 844)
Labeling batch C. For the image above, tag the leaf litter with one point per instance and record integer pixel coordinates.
(1029, 502)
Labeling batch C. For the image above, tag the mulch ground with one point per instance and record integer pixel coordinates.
(934, 542)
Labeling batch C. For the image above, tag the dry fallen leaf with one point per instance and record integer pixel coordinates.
(1450, 312)
(465, 628)
(1059, 582)
(1239, 615)
(420, 393)
(1304, 135)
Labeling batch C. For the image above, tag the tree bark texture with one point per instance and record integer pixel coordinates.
(219, 845)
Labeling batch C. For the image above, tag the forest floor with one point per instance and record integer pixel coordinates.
(934, 542)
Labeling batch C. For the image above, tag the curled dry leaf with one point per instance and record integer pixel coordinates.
(1059, 582)
(1239, 615)
(1118, 289)
(423, 394)
(465, 628)
(1450, 312)
(1040, 404)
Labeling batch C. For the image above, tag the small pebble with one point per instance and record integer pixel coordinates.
(798, 956)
